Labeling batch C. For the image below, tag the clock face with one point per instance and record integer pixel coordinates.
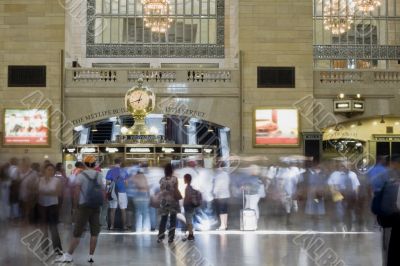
(139, 100)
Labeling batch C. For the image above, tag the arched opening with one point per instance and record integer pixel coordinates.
(370, 137)
(174, 139)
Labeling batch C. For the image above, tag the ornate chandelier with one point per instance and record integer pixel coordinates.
(338, 16)
(367, 5)
(156, 15)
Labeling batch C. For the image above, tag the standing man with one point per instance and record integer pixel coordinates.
(89, 197)
(117, 176)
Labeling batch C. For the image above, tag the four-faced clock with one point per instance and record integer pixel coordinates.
(139, 100)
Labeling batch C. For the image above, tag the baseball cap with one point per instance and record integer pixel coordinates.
(89, 159)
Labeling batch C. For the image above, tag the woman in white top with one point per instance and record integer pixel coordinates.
(49, 191)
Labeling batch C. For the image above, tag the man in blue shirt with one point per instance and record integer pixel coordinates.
(116, 177)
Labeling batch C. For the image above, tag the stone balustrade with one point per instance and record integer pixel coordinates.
(86, 76)
(369, 83)
(357, 76)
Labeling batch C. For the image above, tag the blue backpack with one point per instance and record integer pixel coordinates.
(384, 203)
(94, 195)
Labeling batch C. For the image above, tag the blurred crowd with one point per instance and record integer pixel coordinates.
(304, 195)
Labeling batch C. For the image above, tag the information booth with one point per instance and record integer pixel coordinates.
(151, 154)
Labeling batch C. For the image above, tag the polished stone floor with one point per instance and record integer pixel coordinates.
(275, 248)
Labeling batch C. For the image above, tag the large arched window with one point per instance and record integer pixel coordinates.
(121, 28)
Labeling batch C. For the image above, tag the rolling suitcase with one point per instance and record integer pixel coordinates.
(248, 218)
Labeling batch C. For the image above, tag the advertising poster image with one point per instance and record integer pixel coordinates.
(276, 127)
(28, 127)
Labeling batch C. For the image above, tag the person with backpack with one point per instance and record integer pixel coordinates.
(89, 197)
(191, 201)
(386, 206)
(169, 204)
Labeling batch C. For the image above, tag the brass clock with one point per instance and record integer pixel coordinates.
(139, 101)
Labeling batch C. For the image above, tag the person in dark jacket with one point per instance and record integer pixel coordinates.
(169, 198)
(391, 255)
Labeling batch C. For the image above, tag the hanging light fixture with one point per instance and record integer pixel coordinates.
(210, 129)
(156, 15)
(186, 124)
(164, 121)
(338, 16)
(366, 6)
(382, 120)
(117, 123)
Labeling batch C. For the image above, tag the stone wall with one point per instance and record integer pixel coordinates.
(31, 33)
(274, 33)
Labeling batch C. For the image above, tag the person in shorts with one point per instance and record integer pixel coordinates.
(85, 213)
(221, 195)
(116, 175)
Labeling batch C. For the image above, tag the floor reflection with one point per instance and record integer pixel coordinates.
(275, 248)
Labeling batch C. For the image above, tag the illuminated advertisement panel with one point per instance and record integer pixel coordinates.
(26, 127)
(276, 127)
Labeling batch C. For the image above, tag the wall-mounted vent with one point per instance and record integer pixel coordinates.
(26, 76)
(275, 77)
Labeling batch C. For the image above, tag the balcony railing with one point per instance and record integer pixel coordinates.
(355, 76)
(329, 77)
(387, 77)
(82, 76)
(373, 82)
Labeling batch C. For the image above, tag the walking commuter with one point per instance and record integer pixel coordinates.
(169, 207)
(28, 190)
(153, 175)
(377, 174)
(15, 210)
(88, 198)
(79, 167)
(387, 208)
(4, 191)
(315, 184)
(344, 186)
(221, 195)
(291, 180)
(141, 200)
(50, 188)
